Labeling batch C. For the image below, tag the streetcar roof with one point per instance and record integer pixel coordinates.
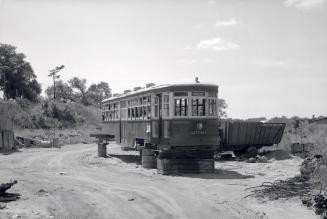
(157, 87)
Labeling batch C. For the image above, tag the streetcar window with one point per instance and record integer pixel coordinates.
(181, 107)
(198, 107)
(136, 113)
(148, 112)
(156, 106)
(212, 94)
(144, 112)
(180, 94)
(166, 104)
(140, 112)
(132, 113)
(122, 104)
(212, 107)
(198, 93)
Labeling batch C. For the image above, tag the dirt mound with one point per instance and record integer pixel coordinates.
(277, 154)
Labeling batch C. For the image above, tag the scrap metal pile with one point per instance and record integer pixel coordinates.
(318, 203)
(288, 188)
(304, 186)
(300, 186)
(4, 195)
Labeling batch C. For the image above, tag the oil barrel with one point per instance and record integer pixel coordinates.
(149, 161)
(102, 150)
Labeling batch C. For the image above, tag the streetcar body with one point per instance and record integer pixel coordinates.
(164, 116)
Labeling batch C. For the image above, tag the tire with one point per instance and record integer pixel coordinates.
(251, 152)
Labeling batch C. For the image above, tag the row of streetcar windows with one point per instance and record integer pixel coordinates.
(137, 108)
(198, 107)
(143, 112)
(140, 108)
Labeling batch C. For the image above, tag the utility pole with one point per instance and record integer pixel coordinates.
(54, 75)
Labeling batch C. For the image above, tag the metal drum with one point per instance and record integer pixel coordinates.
(102, 150)
(149, 161)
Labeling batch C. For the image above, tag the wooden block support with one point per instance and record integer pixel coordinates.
(177, 166)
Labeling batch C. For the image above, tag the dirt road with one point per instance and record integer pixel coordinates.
(72, 182)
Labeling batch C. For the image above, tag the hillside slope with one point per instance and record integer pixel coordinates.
(71, 122)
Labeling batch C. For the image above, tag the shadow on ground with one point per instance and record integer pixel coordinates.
(219, 174)
(8, 152)
(277, 154)
(127, 158)
(9, 197)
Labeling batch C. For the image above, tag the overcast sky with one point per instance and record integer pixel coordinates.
(269, 58)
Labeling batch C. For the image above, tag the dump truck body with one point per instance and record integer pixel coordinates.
(239, 136)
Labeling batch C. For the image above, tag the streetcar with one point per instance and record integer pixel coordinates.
(163, 116)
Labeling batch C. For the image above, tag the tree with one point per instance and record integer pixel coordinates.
(17, 78)
(64, 92)
(258, 119)
(96, 92)
(80, 85)
(222, 106)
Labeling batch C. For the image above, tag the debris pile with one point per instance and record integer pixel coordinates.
(32, 142)
(258, 159)
(320, 206)
(302, 186)
(288, 188)
(318, 203)
(308, 168)
(7, 197)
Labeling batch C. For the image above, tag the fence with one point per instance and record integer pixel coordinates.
(6, 126)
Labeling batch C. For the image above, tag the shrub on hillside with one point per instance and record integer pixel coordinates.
(50, 114)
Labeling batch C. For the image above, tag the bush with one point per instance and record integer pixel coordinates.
(50, 114)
